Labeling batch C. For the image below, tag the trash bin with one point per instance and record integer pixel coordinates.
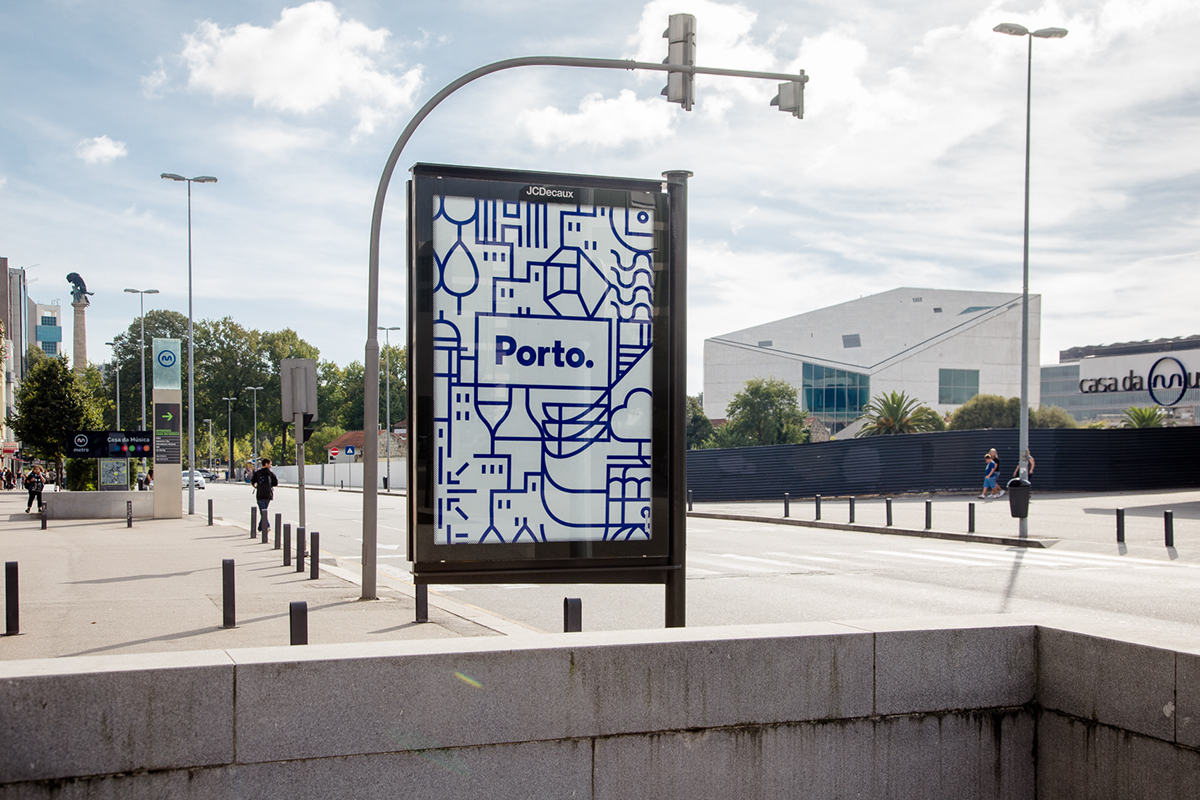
(1018, 497)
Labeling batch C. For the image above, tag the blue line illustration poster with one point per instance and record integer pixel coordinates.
(542, 332)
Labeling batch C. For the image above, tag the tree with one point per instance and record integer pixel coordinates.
(1136, 417)
(52, 404)
(1051, 417)
(897, 413)
(698, 425)
(766, 411)
(987, 411)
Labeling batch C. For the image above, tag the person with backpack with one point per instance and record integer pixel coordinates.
(264, 483)
(34, 482)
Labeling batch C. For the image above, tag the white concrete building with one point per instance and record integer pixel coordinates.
(940, 346)
(45, 321)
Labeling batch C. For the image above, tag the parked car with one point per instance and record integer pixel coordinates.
(197, 476)
(207, 474)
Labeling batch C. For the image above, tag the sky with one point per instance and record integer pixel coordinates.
(907, 170)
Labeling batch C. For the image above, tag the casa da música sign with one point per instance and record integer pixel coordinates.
(1166, 380)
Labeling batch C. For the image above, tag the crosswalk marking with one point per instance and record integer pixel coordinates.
(807, 558)
(946, 559)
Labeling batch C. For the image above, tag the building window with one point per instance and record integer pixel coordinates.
(974, 309)
(48, 320)
(835, 396)
(957, 386)
(51, 348)
(766, 343)
(851, 340)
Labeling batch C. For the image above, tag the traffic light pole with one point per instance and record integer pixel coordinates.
(298, 427)
(371, 350)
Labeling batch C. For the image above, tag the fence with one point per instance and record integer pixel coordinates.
(1066, 460)
(349, 476)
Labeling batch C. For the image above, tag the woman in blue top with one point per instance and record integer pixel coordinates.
(989, 475)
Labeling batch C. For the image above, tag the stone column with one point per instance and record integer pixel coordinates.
(79, 354)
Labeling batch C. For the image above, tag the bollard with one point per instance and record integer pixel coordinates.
(787, 510)
(889, 511)
(278, 522)
(299, 549)
(314, 557)
(970, 517)
(278, 533)
(42, 511)
(343, 486)
(422, 592)
(689, 499)
(128, 513)
(1169, 527)
(287, 544)
(851, 510)
(298, 619)
(928, 514)
(1120, 526)
(230, 618)
(12, 622)
(254, 522)
(818, 506)
(572, 615)
(210, 512)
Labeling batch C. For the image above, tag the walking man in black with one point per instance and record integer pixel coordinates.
(35, 482)
(264, 483)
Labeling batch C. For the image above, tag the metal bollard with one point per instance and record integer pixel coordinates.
(1120, 526)
(851, 510)
(1169, 527)
(970, 517)
(12, 622)
(689, 499)
(889, 512)
(299, 549)
(254, 522)
(287, 544)
(572, 615)
(928, 514)
(314, 557)
(278, 522)
(422, 597)
(230, 618)
(298, 620)
(818, 506)
(787, 510)
(210, 512)
(278, 533)
(128, 513)
(42, 511)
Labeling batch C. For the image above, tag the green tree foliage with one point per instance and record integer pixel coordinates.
(698, 425)
(987, 411)
(52, 404)
(1051, 417)
(766, 411)
(1136, 417)
(897, 413)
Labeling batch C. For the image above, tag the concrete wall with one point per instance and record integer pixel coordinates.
(811, 710)
(97, 505)
(343, 475)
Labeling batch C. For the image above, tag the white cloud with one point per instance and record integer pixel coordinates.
(600, 122)
(308, 60)
(154, 84)
(100, 150)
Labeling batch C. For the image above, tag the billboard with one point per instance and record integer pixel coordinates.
(538, 328)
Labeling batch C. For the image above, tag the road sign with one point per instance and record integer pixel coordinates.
(298, 387)
(333, 451)
(349, 449)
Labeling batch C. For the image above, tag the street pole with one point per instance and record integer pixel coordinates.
(387, 346)
(209, 421)
(255, 460)
(117, 370)
(229, 434)
(142, 351)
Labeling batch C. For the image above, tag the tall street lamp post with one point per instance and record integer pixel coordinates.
(1013, 29)
(191, 339)
(117, 369)
(254, 456)
(229, 434)
(388, 351)
(142, 352)
(209, 421)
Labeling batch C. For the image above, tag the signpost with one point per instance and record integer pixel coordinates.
(546, 353)
(298, 404)
(167, 427)
(112, 450)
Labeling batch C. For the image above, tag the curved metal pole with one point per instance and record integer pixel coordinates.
(371, 351)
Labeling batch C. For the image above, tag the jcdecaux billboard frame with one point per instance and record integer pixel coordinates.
(545, 355)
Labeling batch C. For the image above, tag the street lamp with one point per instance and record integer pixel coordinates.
(209, 421)
(142, 350)
(191, 340)
(254, 455)
(388, 351)
(117, 368)
(229, 434)
(1013, 29)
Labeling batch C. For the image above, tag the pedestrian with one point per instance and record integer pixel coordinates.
(35, 482)
(1029, 458)
(989, 475)
(264, 483)
(997, 490)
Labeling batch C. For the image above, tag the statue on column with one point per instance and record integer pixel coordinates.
(80, 302)
(79, 292)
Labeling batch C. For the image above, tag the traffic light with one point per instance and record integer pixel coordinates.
(791, 96)
(681, 49)
(307, 432)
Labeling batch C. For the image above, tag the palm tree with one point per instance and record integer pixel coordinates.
(1137, 417)
(895, 413)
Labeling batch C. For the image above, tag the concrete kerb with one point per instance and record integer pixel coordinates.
(978, 538)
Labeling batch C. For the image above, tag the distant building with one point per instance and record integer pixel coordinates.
(46, 323)
(1100, 382)
(939, 346)
(354, 441)
(14, 315)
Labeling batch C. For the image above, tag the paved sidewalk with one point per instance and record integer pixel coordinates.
(95, 587)
(1053, 517)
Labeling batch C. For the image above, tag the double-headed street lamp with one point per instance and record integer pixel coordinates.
(1012, 29)
(254, 455)
(114, 344)
(142, 351)
(229, 433)
(171, 176)
(388, 351)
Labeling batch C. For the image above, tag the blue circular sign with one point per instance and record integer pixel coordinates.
(1170, 378)
(166, 358)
